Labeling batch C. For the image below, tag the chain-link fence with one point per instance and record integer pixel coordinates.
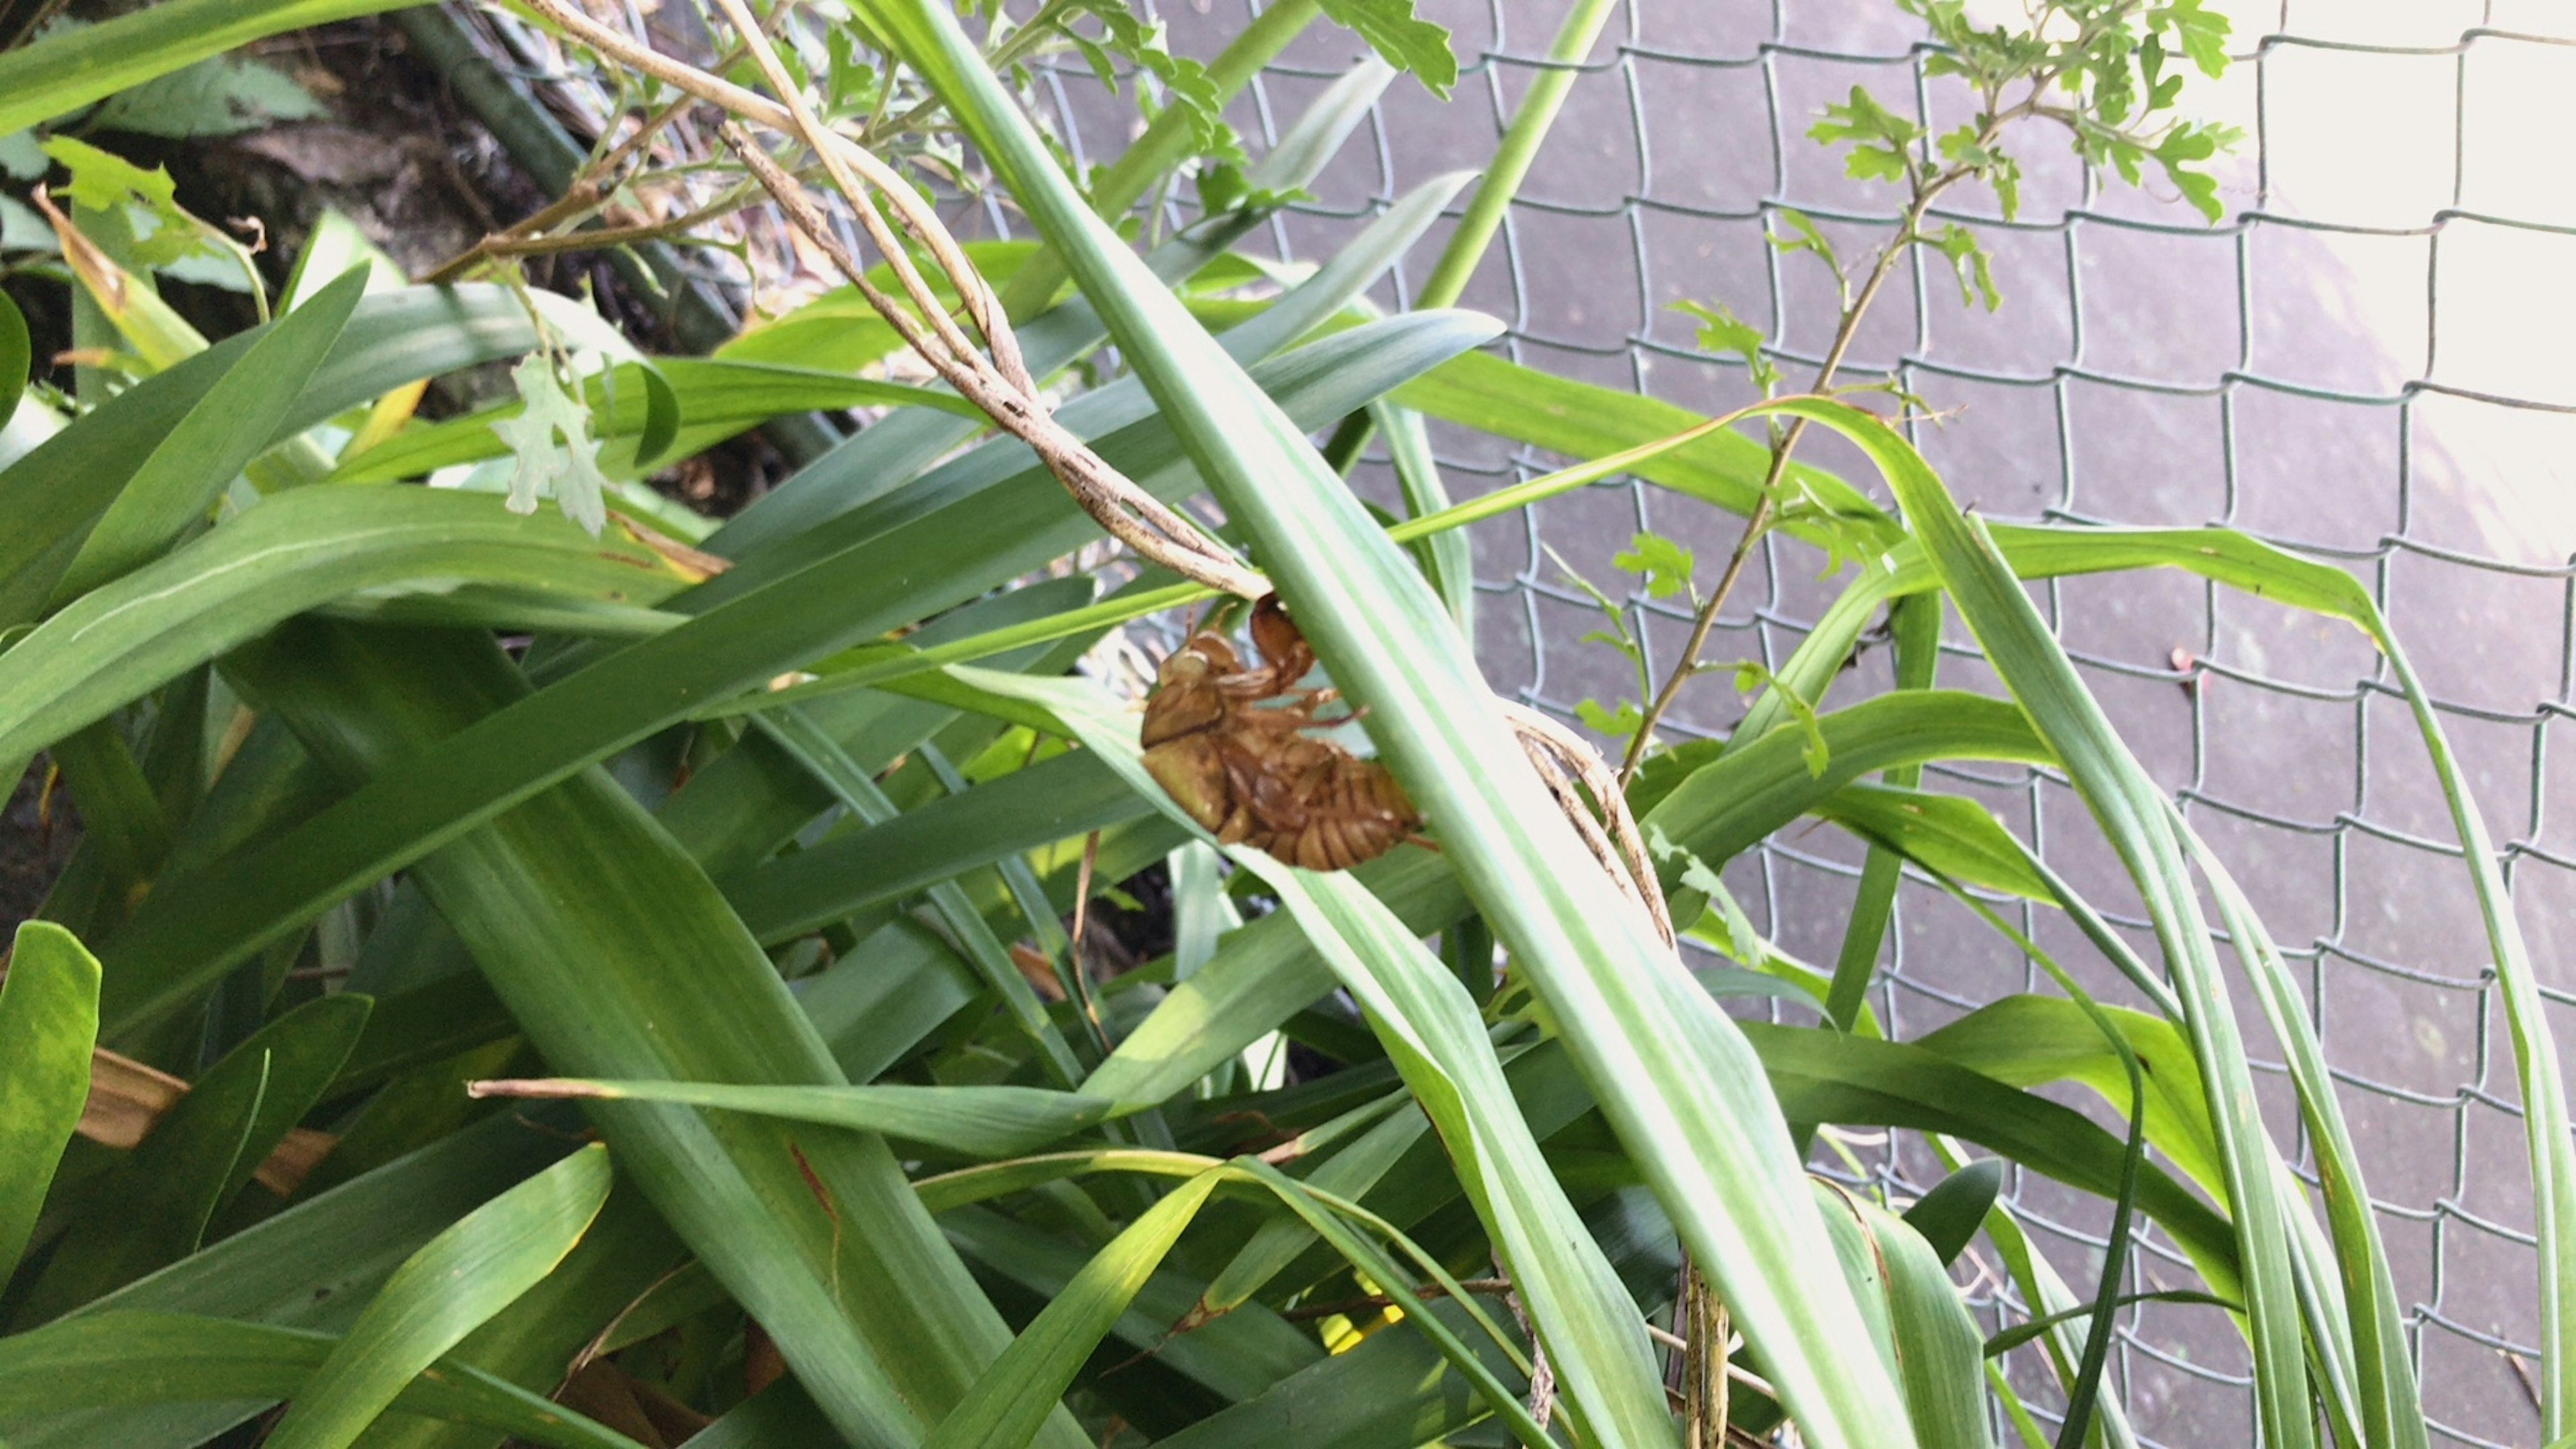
(2365, 363)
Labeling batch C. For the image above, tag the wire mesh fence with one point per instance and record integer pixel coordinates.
(2364, 362)
(2361, 363)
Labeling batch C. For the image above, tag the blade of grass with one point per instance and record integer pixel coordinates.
(201, 1152)
(2132, 816)
(191, 467)
(291, 553)
(1673, 1074)
(983, 950)
(1916, 627)
(131, 1357)
(69, 71)
(1933, 1345)
(1005, 1407)
(457, 1280)
(974, 1121)
(54, 494)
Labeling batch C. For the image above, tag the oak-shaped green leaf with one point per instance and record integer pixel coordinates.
(104, 181)
(1663, 565)
(1403, 39)
(569, 473)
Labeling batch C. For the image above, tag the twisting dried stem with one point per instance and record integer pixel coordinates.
(1704, 1379)
(809, 128)
(996, 379)
(1542, 1379)
(1000, 384)
(1562, 758)
(1133, 516)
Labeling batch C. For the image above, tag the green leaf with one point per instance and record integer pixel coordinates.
(1235, 1350)
(132, 1358)
(2025, 1041)
(54, 494)
(1401, 38)
(16, 359)
(1969, 262)
(200, 1153)
(1626, 721)
(1951, 837)
(598, 932)
(1935, 1347)
(1447, 560)
(312, 1266)
(1387, 1390)
(1012, 1398)
(1825, 1076)
(974, 1121)
(1751, 674)
(1743, 942)
(2021, 1333)
(702, 400)
(1724, 333)
(443, 1292)
(1663, 565)
(2132, 814)
(661, 416)
(1948, 1215)
(1719, 810)
(48, 1022)
(1879, 138)
(64, 72)
(1581, 420)
(1803, 237)
(295, 551)
(103, 181)
(221, 95)
(183, 477)
(569, 475)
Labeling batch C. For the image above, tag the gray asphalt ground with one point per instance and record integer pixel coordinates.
(2367, 360)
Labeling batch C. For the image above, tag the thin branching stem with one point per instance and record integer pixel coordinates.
(1908, 232)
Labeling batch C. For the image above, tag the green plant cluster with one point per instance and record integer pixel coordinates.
(595, 975)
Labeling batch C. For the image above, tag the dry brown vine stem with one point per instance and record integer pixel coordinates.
(1000, 386)
(1562, 758)
(994, 378)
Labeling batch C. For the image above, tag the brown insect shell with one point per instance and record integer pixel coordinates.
(1192, 770)
(1187, 694)
(1227, 743)
(1282, 644)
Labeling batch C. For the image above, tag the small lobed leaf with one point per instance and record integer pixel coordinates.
(1617, 725)
(1878, 137)
(1969, 262)
(1663, 565)
(1402, 38)
(569, 473)
(103, 181)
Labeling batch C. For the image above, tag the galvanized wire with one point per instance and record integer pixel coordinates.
(2252, 385)
(2400, 991)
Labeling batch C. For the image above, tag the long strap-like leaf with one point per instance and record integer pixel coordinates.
(1674, 1076)
(2132, 814)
